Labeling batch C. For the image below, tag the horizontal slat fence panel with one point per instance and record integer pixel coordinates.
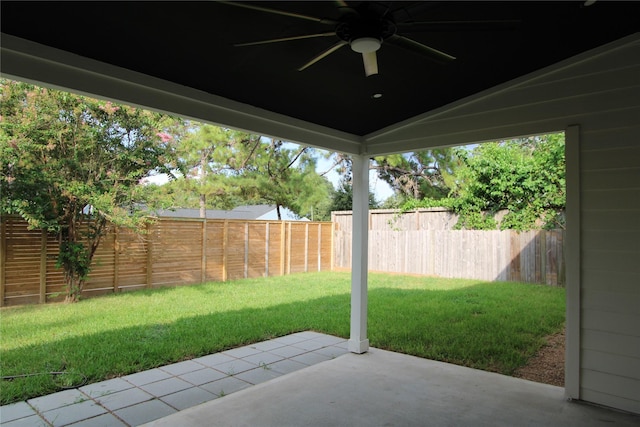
(172, 251)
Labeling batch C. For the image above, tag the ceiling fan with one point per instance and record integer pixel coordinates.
(365, 27)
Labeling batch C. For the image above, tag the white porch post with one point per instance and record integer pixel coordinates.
(358, 342)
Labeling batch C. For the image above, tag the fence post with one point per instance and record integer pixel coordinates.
(246, 249)
(203, 261)
(319, 246)
(116, 260)
(306, 247)
(3, 258)
(267, 243)
(225, 240)
(43, 267)
(283, 252)
(149, 257)
(332, 252)
(289, 248)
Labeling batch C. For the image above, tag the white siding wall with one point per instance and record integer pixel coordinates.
(597, 97)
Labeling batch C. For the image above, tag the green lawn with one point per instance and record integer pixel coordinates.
(492, 326)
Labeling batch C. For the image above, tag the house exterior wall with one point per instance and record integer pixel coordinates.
(595, 98)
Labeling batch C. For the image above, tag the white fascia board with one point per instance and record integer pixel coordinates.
(31, 62)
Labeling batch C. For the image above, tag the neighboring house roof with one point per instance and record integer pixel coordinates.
(247, 212)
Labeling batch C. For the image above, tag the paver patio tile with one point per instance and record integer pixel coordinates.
(241, 352)
(203, 376)
(147, 377)
(234, 367)
(104, 420)
(263, 358)
(123, 398)
(268, 345)
(182, 367)
(286, 366)
(164, 387)
(225, 386)
(309, 345)
(16, 411)
(57, 400)
(187, 398)
(311, 358)
(290, 339)
(106, 387)
(329, 340)
(288, 351)
(213, 359)
(32, 421)
(258, 375)
(73, 413)
(332, 351)
(145, 412)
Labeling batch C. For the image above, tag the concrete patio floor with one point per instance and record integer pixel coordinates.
(382, 388)
(309, 379)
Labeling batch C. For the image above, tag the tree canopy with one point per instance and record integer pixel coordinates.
(71, 165)
(526, 177)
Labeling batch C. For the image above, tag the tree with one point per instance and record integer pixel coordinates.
(71, 165)
(210, 160)
(285, 175)
(420, 174)
(343, 198)
(526, 177)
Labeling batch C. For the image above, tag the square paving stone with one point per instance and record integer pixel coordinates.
(225, 386)
(263, 358)
(147, 377)
(57, 400)
(106, 387)
(104, 420)
(290, 339)
(123, 398)
(234, 367)
(241, 352)
(32, 421)
(145, 412)
(182, 367)
(268, 345)
(213, 359)
(332, 351)
(203, 376)
(286, 366)
(73, 413)
(311, 358)
(258, 375)
(309, 345)
(15, 411)
(288, 351)
(187, 398)
(164, 387)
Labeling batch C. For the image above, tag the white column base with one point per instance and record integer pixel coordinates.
(358, 347)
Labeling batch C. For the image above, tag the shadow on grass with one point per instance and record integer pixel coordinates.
(488, 326)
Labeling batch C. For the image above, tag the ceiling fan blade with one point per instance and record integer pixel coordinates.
(419, 48)
(341, 3)
(370, 63)
(279, 12)
(286, 39)
(485, 25)
(324, 54)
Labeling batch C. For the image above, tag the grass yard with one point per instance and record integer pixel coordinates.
(491, 326)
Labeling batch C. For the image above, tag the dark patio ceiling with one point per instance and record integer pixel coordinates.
(192, 44)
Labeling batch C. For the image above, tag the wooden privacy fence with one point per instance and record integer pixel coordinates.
(530, 256)
(173, 252)
(424, 242)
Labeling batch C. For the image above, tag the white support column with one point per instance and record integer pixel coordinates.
(358, 342)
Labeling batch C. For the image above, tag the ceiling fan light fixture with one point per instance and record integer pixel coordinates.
(365, 44)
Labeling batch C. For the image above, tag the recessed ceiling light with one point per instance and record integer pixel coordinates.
(377, 95)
